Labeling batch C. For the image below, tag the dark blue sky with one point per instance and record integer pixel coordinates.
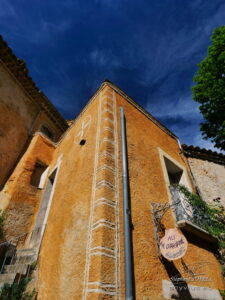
(150, 49)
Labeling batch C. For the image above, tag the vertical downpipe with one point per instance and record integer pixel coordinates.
(126, 214)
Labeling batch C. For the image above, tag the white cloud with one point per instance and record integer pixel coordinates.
(45, 31)
(207, 144)
(183, 107)
(102, 58)
(20, 25)
(98, 57)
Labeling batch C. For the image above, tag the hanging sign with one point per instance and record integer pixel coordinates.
(173, 245)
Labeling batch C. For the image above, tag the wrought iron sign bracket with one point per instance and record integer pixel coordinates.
(158, 211)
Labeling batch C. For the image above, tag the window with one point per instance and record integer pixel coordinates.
(43, 211)
(176, 175)
(39, 170)
(45, 200)
(186, 215)
(174, 172)
(47, 132)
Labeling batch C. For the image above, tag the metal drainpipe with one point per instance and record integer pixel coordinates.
(126, 214)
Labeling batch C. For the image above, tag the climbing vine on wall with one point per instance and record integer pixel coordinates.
(210, 217)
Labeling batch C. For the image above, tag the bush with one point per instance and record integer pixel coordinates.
(17, 291)
(2, 221)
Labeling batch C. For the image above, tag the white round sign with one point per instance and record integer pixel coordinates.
(173, 245)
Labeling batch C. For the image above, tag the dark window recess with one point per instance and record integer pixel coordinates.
(174, 172)
(39, 168)
(47, 132)
(82, 142)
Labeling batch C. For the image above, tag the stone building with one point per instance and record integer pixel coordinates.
(64, 210)
(24, 109)
(208, 171)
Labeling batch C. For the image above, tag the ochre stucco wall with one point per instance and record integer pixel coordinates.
(82, 249)
(82, 233)
(63, 252)
(147, 184)
(67, 230)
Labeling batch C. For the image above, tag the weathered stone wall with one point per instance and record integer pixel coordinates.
(17, 114)
(20, 117)
(209, 178)
(43, 119)
(19, 199)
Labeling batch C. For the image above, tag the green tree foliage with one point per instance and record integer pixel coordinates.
(210, 217)
(209, 90)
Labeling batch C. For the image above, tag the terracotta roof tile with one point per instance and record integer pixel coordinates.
(205, 154)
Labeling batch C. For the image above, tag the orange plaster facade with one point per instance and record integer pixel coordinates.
(81, 254)
(19, 199)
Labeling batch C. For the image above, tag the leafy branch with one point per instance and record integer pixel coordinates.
(210, 217)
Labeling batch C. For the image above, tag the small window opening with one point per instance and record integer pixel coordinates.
(42, 212)
(82, 142)
(39, 169)
(52, 177)
(47, 132)
(174, 172)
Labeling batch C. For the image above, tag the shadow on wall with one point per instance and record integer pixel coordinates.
(131, 224)
(181, 287)
(132, 228)
(12, 167)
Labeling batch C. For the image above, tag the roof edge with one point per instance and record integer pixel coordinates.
(123, 94)
(204, 154)
(18, 69)
(140, 108)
